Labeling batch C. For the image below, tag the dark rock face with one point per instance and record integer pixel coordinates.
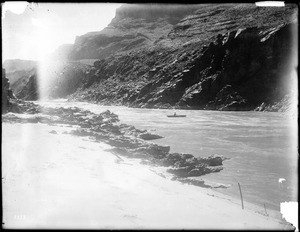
(30, 90)
(9, 101)
(66, 77)
(212, 59)
(20, 74)
(149, 136)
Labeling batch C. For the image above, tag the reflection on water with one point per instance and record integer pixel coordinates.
(262, 146)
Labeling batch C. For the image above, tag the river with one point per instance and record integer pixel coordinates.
(262, 146)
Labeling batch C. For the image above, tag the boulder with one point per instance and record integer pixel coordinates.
(191, 171)
(179, 160)
(123, 142)
(109, 115)
(213, 169)
(149, 136)
(111, 128)
(171, 159)
(215, 160)
(154, 150)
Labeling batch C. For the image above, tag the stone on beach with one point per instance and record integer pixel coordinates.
(154, 150)
(149, 136)
(213, 160)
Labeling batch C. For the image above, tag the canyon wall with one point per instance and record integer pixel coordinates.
(206, 56)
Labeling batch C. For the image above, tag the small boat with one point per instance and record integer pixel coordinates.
(176, 116)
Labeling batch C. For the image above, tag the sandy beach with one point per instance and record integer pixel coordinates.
(62, 181)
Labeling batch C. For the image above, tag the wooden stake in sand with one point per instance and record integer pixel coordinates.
(241, 195)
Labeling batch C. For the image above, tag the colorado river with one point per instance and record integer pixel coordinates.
(262, 146)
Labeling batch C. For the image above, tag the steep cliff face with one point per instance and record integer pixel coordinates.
(30, 89)
(9, 101)
(18, 72)
(134, 27)
(209, 56)
(221, 57)
(243, 68)
(66, 77)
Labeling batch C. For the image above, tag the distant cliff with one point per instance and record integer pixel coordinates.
(133, 27)
(208, 56)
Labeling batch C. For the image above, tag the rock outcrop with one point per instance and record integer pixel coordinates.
(9, 100)
(30, 89)
(11, 103)
(19, 73)
(221, 58)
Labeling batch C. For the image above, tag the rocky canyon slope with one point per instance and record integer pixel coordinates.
(8, 98)
(22, 75)
(206, 56)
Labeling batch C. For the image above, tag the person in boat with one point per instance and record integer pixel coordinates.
(174, 113)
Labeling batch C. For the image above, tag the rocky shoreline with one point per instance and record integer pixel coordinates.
(126, 140)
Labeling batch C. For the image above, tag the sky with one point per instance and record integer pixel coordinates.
(38, 30)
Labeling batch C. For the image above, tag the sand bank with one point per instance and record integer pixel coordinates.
(64, 181)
